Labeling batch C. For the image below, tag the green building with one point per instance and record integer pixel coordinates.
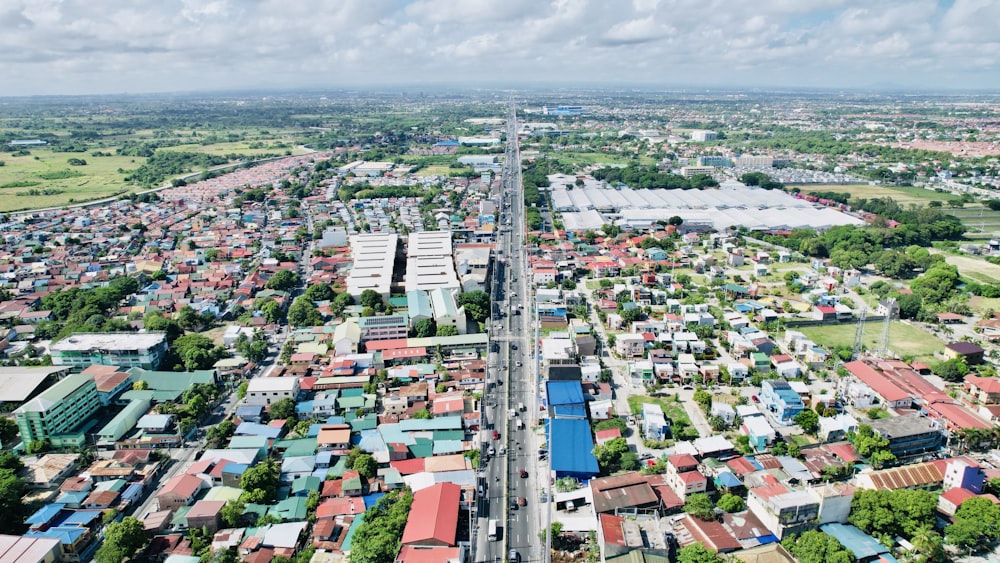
(127, 349)
(57, 413)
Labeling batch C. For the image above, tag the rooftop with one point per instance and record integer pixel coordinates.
(109, 341)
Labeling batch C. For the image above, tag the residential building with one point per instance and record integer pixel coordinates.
(126, 349)
(683, 475)
(267, 390)
(57, 412)
(759, 431)
(783, 511)
(384, 327)
(630, 345)
(780, 400)
(655, 425)
(27, 549)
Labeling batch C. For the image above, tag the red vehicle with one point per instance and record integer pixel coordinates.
(524, 474)
(755, 399)
(496, 435)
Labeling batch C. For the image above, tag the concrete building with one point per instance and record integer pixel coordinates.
(447, 311)
(702, 135)
(780, 400)
(384, 327)
(25, 549)
(655, 425)
(267, 390)
(126, 349)
(59, 410)
(909, 434)
(784, 512)
(374, 259)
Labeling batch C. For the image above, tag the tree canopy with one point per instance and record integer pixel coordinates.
(283, 280)
(893, 513)
(377, 539)
(122, 540)
(815, 546)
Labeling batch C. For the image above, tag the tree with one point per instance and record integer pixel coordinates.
(196, 351)
(977, 524)
(807, 420)
(928, 546)
(366, 466)
(476, 303)
(953, 370)
(422, 414)
(425, 328)
(218, 435)
(814, 546)
(373, 299)
(703, 398)
(260, 482)
(698, 504)
(122, 540)
(611, 454)
(13, 510)
(675, 220)
(303, 313)
(283, 409)
(447, 330)
(283, 280)
(8, 432)
(893, 513)
(697, 553)
(377, 539)
(232, 513)
(341, 302)
(320, 292)
(187, 318)
(241, 391)
(731, 503)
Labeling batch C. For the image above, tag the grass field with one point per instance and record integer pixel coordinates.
(905, 340)
(903, 195)
(673, 410)
(581, 158)
(975, 268)
(45, 179)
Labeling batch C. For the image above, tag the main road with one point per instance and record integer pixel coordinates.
(511, 409)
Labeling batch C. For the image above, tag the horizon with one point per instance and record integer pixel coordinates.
(72, 49)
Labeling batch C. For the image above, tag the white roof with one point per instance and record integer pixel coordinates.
(713, 444)
(373, 258)
(114, 341)
(18, 383)
(758, 426)
(268, 384)
(284, 535)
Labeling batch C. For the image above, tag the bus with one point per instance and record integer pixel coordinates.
(492, 533)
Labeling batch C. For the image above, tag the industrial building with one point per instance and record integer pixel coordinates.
(374, 259)
(430, 263)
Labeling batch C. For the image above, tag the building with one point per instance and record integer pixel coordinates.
(702, 135)
(374, 259)
(572, 453)
(384, 327)
(655, 425)
(18, 384)
(24, 549)
(910, 434)
(430, 262)
(971, 353)
(780, 400)
(267, 390)
(630, 345)
(628, 493)
(691, 171)
(446, 310)
(58, 411)
(433, 519)
(126, 349)
(784, 512)
(683, 476)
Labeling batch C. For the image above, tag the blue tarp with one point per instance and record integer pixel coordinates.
(564, 393)
(572, 452)
(857, 542)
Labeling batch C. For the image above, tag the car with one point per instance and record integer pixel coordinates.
(513, 504)
(524, 473)
(491, 451)
(513, 346)
(514, 556)
(522, 501)
(503, 450)
(755, 398)
(496, 435)
(517, 364)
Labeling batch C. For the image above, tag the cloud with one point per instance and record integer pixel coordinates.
(69, 46)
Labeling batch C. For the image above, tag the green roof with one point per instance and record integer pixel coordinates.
(58, 392)
(449, 435)
(172, 380)
(180, 516)
(297, 447)
(125, 420)
(336, 470)
(307, 483)
(367, 422)
(422, 447)
(292, 508)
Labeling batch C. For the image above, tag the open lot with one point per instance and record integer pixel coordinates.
(975, 268)
(903, 195)
(905, 340)
(44, 178)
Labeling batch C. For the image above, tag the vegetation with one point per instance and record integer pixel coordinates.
(815, 546)
(13, 510)
(377, 540)
(260, 482)
(122, 540)
(615, 455)
(976, 525)
(700, 505)
(888, 514)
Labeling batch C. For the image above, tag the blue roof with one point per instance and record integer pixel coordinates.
(134, 490)
(257, 429)
(854, 540)
(572, 453)
(249, 410)
(728, 480)
(45, 514)
(66, 535)
(446, 143)
(569, 411)
(564, 393)
(235, 468)
(80, 518)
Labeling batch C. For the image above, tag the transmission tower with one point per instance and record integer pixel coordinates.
(859, 334)
(883, 344)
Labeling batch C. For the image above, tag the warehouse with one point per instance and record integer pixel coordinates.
(573, 452)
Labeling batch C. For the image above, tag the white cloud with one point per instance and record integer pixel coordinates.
(69, 46)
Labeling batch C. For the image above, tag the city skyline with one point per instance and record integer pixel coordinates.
(72, 48)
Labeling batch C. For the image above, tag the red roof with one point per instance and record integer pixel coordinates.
(844, 451)
(692, 477)
(398, 353)
(682, 460)
(874, 379)
(741, 466)
(988, 384)
(957, 495)
(433, 516)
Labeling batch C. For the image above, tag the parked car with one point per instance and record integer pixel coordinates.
(496, 435)
(754, 398)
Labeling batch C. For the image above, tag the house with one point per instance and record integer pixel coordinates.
(655, 425)
(205, 513)
(336, 437)
(971, 353)
(836, 428)
(759, 431)
(781, 510)
(982, 390)
(630, 345)
(780, 400)
(683, 476)
(179, 491)
(623, 494)
(267, 390)
(433, 519)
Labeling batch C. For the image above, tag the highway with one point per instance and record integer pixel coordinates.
(511, 397)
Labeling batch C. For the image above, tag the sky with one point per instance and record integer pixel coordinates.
(70, 47)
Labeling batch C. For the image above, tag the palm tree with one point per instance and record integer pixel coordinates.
(927, 546)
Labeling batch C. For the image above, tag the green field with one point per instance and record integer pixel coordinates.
(22, 176)
(975, 268)
(905, 340)
(902, 194)
(672, 409)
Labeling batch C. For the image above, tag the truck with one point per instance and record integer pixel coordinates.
(492, 531)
